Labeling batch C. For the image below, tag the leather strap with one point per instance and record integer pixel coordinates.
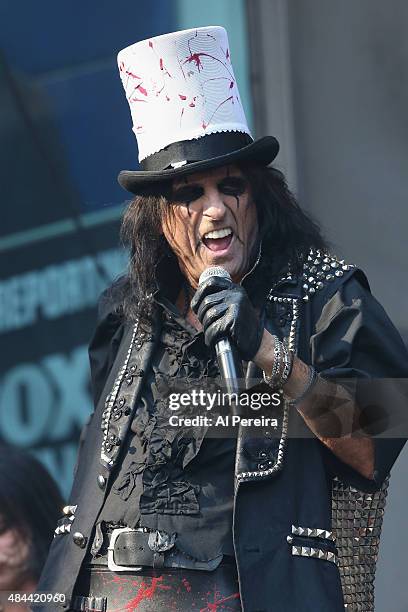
(132, 548)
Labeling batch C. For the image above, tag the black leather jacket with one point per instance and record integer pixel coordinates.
(282, 486)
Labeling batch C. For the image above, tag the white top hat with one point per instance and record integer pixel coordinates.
(181, 90)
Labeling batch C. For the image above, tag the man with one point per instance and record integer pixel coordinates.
(168, 517)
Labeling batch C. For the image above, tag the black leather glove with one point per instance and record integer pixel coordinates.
(225, 311)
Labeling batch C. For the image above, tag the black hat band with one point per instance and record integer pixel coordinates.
(187, 151)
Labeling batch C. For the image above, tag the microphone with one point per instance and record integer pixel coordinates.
(229, 362)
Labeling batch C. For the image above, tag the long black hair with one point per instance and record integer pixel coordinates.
(287, 232)
(30, 504)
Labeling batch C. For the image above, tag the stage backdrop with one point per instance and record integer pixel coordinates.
(65, 134)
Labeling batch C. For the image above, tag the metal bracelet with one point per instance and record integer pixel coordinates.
(277, 358)
(272, 379)
(287, 368)
(309, 385)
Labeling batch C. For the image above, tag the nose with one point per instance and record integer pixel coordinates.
(214, 207)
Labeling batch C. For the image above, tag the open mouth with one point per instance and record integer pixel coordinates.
(218, 240)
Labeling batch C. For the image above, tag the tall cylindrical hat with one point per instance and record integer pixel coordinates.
(186, 108)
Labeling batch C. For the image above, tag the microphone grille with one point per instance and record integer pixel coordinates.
(213, 271)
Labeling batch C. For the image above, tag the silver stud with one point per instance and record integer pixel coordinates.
(101, 481)
(79, 539)
(339, 272)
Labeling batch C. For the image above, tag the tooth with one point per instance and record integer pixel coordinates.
(219, 233)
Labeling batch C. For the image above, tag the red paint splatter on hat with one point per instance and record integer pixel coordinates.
(205, 125)
(163, 67)
(182, 97)
(196, 58)
(132, 75)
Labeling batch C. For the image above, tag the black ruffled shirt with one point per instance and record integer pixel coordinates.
(174, 478)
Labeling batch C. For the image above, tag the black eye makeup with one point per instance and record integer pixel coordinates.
(233, 185)
(187, 194)
(229, 185)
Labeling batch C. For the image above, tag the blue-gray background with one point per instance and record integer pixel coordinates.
(328, 79)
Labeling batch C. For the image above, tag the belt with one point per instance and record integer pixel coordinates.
(131, 549)
(125, 549)
(157, 590)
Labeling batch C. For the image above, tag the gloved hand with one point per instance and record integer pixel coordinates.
(225, 311)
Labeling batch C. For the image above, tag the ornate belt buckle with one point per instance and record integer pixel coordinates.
(160, 541)
(111, 552)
